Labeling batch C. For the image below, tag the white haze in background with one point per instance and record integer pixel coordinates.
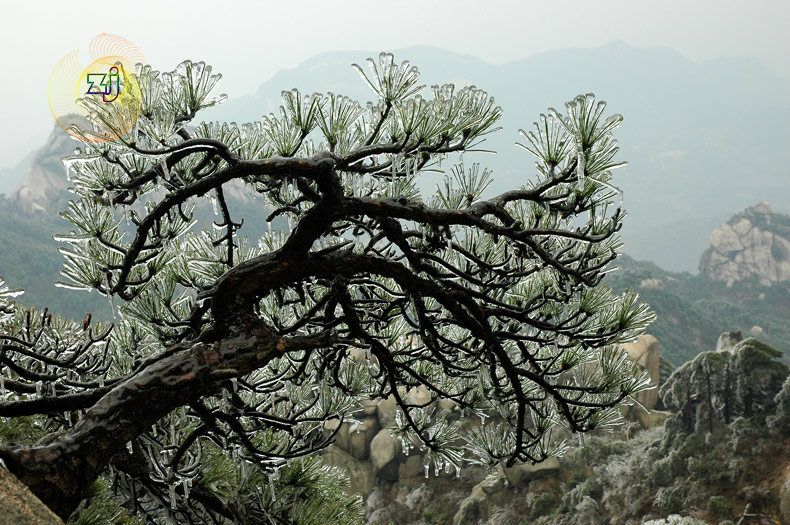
(248, 41)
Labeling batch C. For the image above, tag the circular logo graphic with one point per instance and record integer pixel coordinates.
(100, 102)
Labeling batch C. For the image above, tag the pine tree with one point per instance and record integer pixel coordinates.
(206, 399)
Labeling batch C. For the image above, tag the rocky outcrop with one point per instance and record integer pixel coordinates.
(647, 353)
(43, 188)
(45, 182)
(18, 506)
(754, 244)
(380, 465)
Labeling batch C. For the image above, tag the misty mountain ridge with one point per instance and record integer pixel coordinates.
(697, 136)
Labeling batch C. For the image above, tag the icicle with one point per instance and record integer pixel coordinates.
(269, 228)
(458, 471)
(215, 205)
(580, 165)
(39, 387)
(129, 447)
(186, 482)
(109, 296)
(2, 388)
(172, 431)
(101, 381)
(427, 470)
(173, 502)
(153, 430)
(234, 383)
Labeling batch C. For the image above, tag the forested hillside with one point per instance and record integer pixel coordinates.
(694, 309)
(29, 259)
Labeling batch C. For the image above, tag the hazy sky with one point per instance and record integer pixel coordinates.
(248, 41)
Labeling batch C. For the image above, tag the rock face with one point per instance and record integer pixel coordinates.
(18, 506)
(728, 340)
(647, 353)
(753, 244)
(46, 179)
(522, 473)
(45, 183)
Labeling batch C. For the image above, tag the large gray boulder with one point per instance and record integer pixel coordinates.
(385, 411)
(413, 467)
(385, 450)
(360, 435)
(647, 353)
(524, 473)
(360, 473)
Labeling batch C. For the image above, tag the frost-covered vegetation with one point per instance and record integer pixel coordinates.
(683, 472)
(230, 357)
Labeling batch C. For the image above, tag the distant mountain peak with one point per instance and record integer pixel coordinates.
(45, 181)
(752, 244)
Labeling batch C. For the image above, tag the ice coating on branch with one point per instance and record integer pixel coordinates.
(388, 80)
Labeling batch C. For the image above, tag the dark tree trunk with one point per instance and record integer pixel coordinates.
(59, 473)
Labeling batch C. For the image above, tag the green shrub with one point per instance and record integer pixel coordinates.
(720, 506)
(439, 512)
(544, 504)
(577, 477)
